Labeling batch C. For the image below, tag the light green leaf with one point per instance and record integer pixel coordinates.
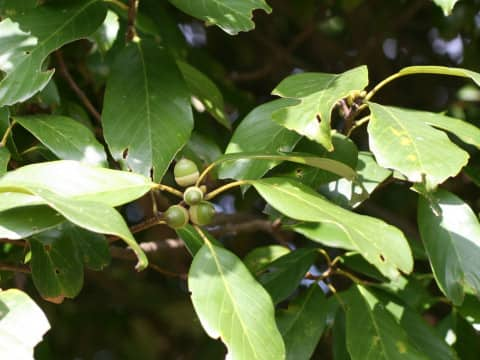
(78, 181)
(22, 222)
(446, 5)
(402, 140)
(465, 131)
(282, 276)
(373, 332)
(50, 27)
(303, 323)
(260, 257)
(57, 268)
(232, 16)
(452, 241)
(147, 116)
(333, 166)
(381, 244)
(439, 70)
(233, 306)
(22, 325)
(4, 159)
(205, 91)
(66, 138)
(317, 94)
(10, 200)
(257, 132)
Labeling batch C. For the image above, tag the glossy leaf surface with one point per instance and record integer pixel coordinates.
(233, 306)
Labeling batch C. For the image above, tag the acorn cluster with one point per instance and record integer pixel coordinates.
(198, 211)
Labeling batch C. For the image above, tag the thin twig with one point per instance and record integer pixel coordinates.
(3, 142)
(15, 268)
(131, 33)
(63, 70)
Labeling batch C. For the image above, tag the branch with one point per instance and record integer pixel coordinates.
(63, 70)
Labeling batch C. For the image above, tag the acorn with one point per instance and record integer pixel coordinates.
(176, 216)
(202, 213)
(185, 172)
(193, 195)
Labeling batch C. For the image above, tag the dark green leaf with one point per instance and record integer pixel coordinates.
(257, 132)
(345, 151)
(317, 95)
(93, 248)
(388, 252)
(22, 324)
(43, 30)
(232, 16)
(205, 91)
(421, 335)
(452, 241)
(57, 268)
(283, 275)
(233, 306)
(402, 140)
(303, 323)
(146, 116)
(66, 138)
(373, 332)
(260, 257)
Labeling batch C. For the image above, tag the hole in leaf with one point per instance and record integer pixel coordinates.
(382, 257)
(299, 172)
(47, 248)
(57, 271)
(125, 153)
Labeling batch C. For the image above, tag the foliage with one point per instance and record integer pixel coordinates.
(100, 99)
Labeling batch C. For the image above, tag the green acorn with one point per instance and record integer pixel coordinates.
(202, 213)
(185, 172)
(176, 216)
(193, 195)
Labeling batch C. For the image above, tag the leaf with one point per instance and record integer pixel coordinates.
(193, 241)
(333, 166)
(345, 151)
(303, 323)
(233, 306)
(22, 325)
(282, 276)
(317, 95)
(93, 248)
(452, 241)
(440, 70)
(50, 27)
(232, 16)
(401, 140)
(446, 5)
(66, 138)
(260, 257)
(94, 216)
(465, 131)
(421, 335)
(387, 252)
(257, 132)
(205, 91)
(79, 181)
(146, 115)
(373, 332)
(4, 159)
(22, 222)
(57, 269)
(10, 200)
(347, 193)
